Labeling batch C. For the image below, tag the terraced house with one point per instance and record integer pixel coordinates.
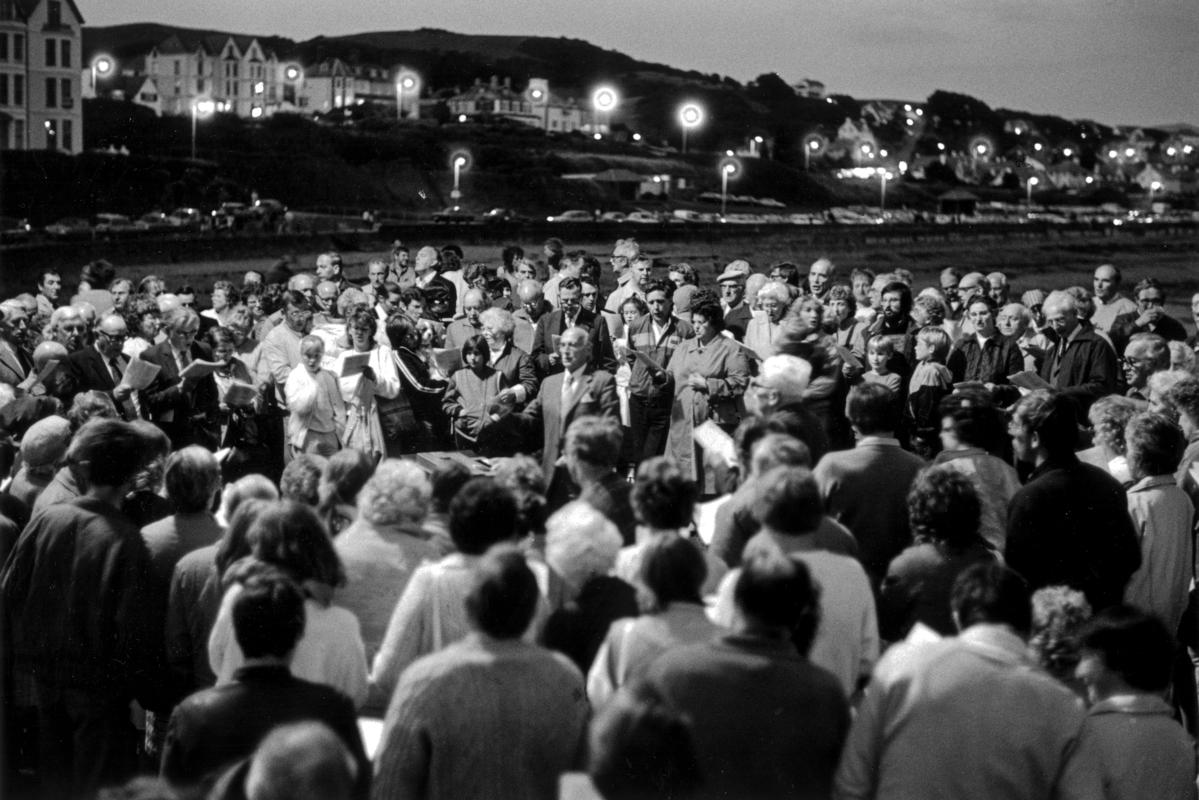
(39, 75)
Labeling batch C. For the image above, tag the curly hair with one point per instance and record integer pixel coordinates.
(580, 543)
(291, 536)
(943, 508)
(1110, 416)
(1154, 445)
(397, 493)
(1058, 613)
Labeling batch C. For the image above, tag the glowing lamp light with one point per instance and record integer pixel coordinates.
(1067, 152)
(691, 115)
(260, 87)
(636, 137)
(758, 139)
(1156, 186)
(1171, 151)
(981, 149)
(1188, 149)
(597, 136)
(865, 149)
(882, 153)
(903, 166)
(103, 66)
(1033, 181)
(1129, 152)
(462, 118)
(911, 122)
(1090, 179)
(407, 82)
(907, 106)
(256, 112)
(1112, 154)
(537, 95)
(813, 145)
(1038, 147)
(941, 146)
(728, 152)
(460, 162)
(292, 72)
(604, 98)
(920, 112)
(729, 169)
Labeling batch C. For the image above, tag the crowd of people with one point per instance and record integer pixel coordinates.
(784, 533)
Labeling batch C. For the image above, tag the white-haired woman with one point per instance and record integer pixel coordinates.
(762, 333)
(581, 547)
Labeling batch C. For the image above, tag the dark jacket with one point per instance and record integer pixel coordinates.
(214, 728)
(578, 628)
(77, 606)
(1088, 368)
(736, 320)
(641, 338)
(517, 369)
(989, 363)
(186, 411)
(554, 324)
(86, 370)
(610, 497)
(1069, 525)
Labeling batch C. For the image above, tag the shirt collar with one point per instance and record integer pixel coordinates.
(1152, 482)
(867, 441)
(1132, 704)
(997, 642)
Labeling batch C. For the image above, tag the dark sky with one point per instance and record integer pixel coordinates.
(1115, 61)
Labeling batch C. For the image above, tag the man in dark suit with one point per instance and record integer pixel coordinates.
(1081, 365)
(570, 314)
(101, 365)
(14, 363)
(185, 408)
(216, 727)
(579, 390)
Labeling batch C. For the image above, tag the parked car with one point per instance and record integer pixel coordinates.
(230, 216)
(574, 215)
(612, 216)
(642, 218)
(186, 218)
(113, 223)
(454, 214)
(269, 207)
(499, 216)
(154, 221)
(13, 230)
(69, 226)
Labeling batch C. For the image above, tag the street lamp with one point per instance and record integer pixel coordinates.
(293, 75)
(1032, 181)
(883, 176)
(201, 107)
(460, 161)
(691, 115)
(754, 144)
(728, 168)
(813, 145)
(102, 66)
(603, 100)
(406, 83)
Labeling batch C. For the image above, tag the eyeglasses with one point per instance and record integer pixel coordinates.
(114, 337)
(1129, 361)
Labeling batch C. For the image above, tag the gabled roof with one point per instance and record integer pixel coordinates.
(27, 7)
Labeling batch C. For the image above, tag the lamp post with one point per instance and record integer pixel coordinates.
(883, 176)
(754, 144)
(603, 100)
(539, 96)
(691, 115)
(460, 161)
(728, 168)
(1032, 181)
(201, 107)
(293, 74)
(406, 83)
(102, 66)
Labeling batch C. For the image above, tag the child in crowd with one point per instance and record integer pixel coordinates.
(318, 412)
(471, 393)
(930, 383)
(880, 350)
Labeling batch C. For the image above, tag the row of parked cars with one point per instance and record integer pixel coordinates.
(226, 216)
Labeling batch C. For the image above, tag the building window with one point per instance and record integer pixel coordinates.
(68, 130)
(54, 13)
(65, 93)
(18, 133)
(51, 134)
(3, 89)
(51, 92)
(51, 53)
(178, 67)
(3, 47)
(200, 86)
(18, 92)
(18, 47)
(8, 9)
(65, 60)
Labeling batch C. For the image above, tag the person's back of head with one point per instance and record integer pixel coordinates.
(775, 595)
(344, 475)
(1052, 418)
(268, 614)
(250, 487)
(1125, 649)
(593, 442)
(303, 761)
(301, 479)
(779, 450)
(662, 497)
(293, 538)
(447, 479)
(872, 410)
(1154, 445)
(786, 375)
(482, 514)
(192, 479)
(504, 595)
(673, 570)
(944, 508)
(106, 453)
(640, 748)
(788, 501)
(990, 593)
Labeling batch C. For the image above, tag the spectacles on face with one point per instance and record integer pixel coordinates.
(114, 337)
(1134, 362)
(1151, 301)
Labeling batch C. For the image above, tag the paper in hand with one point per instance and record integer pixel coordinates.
(646, 359)
(711, 438)
(199, 368)
(354, 363)
(1027, 379)
(40, 377)
(240, 395)
(139, 374)
(846, 355)
(448, 359)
